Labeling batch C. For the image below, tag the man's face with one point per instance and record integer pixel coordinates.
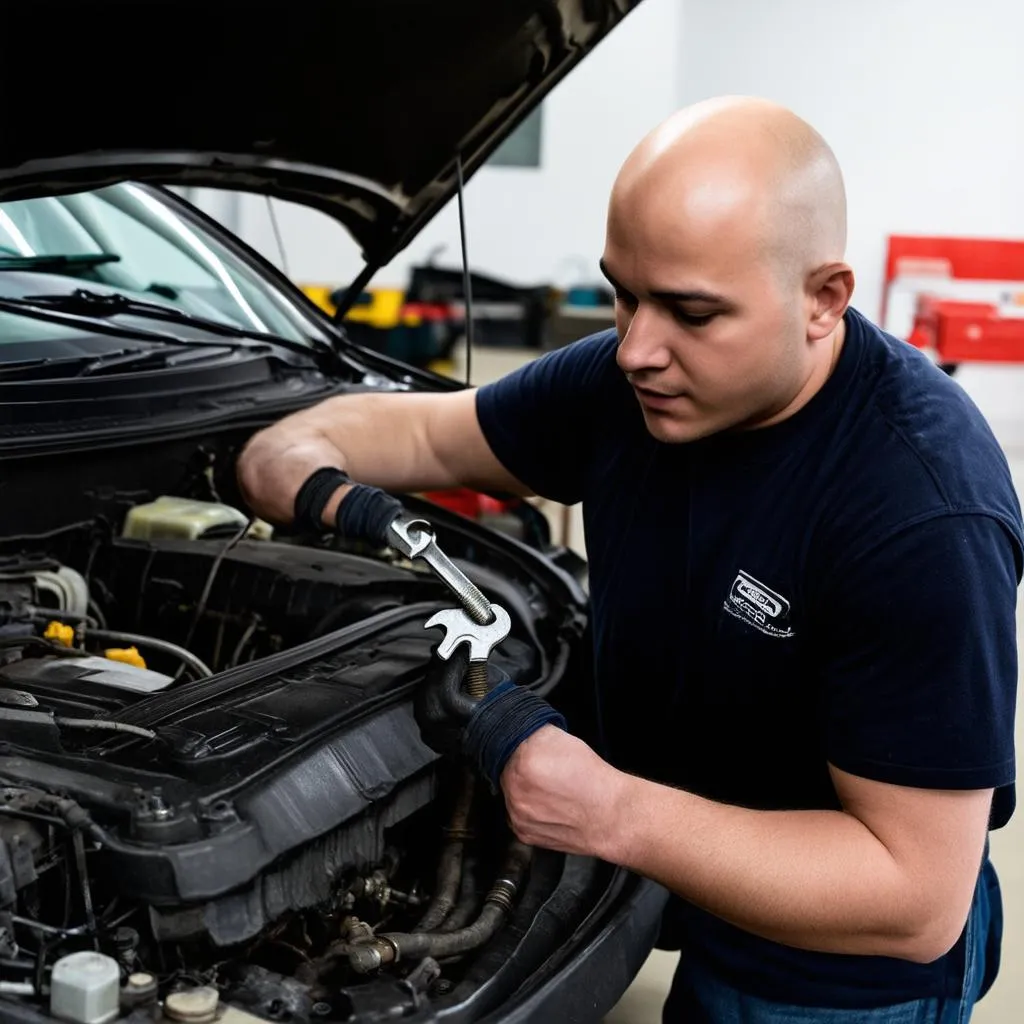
(712, 333)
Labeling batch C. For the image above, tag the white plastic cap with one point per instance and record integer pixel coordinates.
(84, 988)
(192, 1005)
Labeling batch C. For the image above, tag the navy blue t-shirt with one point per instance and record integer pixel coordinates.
(839, 587)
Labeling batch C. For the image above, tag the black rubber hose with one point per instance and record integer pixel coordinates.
(468, 899)
(83, 881)
(449, 869)
(394, 946)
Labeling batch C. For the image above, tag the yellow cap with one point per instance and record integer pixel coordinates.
(60, 633)
(127, 655)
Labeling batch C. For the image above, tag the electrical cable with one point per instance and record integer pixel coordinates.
(97, 613)
(208, 587)
(467, 283)
(51, 647)
(250, 631)
(106, 725)
(277, 236)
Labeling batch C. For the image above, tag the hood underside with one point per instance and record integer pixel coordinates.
(359, 108)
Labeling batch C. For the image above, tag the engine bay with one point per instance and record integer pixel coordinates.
(210, 772)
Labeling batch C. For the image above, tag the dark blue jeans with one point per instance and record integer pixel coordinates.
(699, 996)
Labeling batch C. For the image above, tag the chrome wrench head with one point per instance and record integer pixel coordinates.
(461, 629)
(414, 538)
(411, 537)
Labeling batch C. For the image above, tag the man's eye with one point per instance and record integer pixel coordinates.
(625, 298)
(694, 319)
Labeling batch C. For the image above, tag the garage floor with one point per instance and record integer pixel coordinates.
(1000, 394)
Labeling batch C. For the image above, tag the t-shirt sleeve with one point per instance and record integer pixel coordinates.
(540, 420)
(920, 655)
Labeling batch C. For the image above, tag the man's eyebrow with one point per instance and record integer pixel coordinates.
(690, 295)
(697, 295)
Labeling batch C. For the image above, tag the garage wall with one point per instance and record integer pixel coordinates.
(922, 100)
(530, 225)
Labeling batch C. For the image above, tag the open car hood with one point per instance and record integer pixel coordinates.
(357, 107)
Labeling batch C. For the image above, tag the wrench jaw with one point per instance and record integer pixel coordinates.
(409, 536)
(461, 629)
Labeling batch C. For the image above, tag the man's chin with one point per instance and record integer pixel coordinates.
(677, 429)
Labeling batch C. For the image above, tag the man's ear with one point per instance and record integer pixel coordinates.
(829, 290)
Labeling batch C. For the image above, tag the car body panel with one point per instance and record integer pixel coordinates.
(358, 108)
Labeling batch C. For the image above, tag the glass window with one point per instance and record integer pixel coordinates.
(522, 148)
(158, 255)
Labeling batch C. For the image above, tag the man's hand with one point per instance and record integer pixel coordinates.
(560, 795)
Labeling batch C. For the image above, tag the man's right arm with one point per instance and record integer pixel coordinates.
(400, 442)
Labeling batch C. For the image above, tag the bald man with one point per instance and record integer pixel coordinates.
(804, 551)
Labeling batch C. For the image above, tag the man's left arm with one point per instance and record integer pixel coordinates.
(919, 700)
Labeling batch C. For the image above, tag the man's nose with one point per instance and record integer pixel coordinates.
(643, 345)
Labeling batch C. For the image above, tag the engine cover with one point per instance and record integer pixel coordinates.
(247, 766)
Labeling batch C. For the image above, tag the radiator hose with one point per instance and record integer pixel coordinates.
(449, 869)
(394, 946)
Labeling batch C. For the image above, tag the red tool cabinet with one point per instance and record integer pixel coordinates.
(960, 299)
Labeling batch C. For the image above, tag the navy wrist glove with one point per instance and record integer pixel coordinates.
(502, 721)
(365, 513)
(485, 732)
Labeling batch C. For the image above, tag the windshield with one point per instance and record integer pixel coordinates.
(134, 240)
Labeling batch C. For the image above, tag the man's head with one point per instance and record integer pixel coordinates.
(725, 241)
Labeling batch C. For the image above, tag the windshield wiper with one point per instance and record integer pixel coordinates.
(82, 302)
(93, 325)
(66, 367)
(156, 357)
(54, 261)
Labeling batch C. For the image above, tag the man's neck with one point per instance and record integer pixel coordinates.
(830, 349)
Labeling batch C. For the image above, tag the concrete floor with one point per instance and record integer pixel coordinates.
(999, 392)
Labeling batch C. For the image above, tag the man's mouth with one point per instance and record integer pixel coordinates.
(656, 399)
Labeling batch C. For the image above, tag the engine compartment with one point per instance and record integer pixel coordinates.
(210, 770)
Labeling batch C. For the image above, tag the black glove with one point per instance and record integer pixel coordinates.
(486, 732)
(441, 706)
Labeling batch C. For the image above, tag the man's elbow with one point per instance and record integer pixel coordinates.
(250, 461)
(931, 939)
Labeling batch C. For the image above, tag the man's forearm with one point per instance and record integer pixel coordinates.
(400, 442)
(814, 879)
(380, 446)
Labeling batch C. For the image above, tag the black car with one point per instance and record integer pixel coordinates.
(213, 790)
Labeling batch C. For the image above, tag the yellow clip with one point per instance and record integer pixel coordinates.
(126, 655)
(60, 633)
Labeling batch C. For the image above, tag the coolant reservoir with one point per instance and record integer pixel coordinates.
(85, 988)
(170, 518)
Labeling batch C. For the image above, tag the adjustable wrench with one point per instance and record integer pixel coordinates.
(414, 538)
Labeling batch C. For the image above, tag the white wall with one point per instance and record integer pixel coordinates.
(529, 225)
(923, 102)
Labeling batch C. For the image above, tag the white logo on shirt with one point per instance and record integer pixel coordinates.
(752, 602)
